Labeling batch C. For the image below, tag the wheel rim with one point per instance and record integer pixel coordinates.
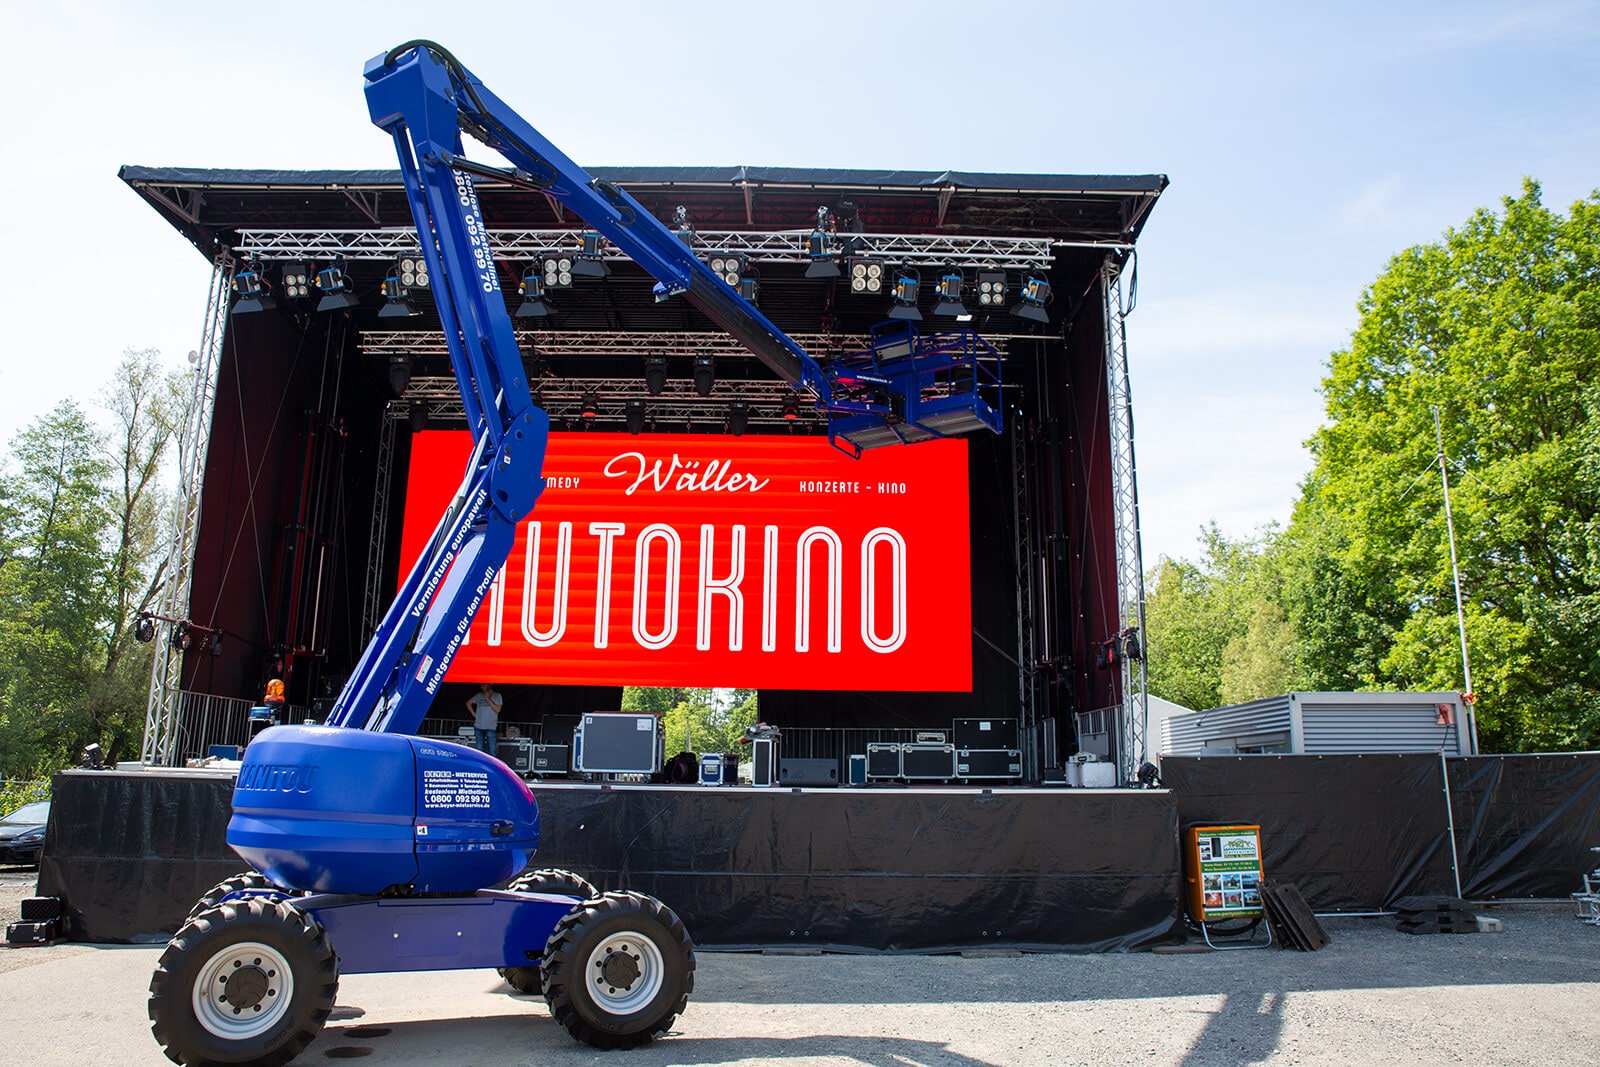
(243, 991)
(625, 972)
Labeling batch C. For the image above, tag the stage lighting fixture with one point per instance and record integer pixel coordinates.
(335, 290)
(705, 374)
(589, 263)
(1035, 293)
(531, 289)
(635, 414)
(907, 282)
(399, 375)
(296, 280)
(418, 416)
(819, 247)
(414, 271)
(655, 374)
(866, 276)
(991, 288)
(252, 290)
(590, 408)
(750, 285)
(951, 282)
(791, 408)
(396, 299)
(730, 268)
(682, 226)
(738, 417)
(557, 270)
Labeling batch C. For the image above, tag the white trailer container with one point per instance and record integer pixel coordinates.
(1324, 723)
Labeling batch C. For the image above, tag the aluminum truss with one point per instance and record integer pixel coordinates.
(373, 602)
(676, 407)
(784, 246)
(161, 713)
(1131, 741)
(1022, 508)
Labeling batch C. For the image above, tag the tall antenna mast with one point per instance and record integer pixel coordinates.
(1455, 572)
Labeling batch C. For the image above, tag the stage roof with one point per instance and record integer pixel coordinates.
(211, 206)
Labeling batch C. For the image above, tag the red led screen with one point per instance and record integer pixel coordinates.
(721, 561)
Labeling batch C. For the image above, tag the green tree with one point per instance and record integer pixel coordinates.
(81, 515)
(1496, 326)
(53, 589)
(696, 720)
(1208, 623)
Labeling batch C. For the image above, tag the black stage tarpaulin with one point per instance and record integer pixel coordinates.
(882, 870)
(862, 869)
(1354, 832)
(1525, 824)
(131, 852)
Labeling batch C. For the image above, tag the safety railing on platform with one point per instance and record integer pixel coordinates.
(836, 744)
(204, 720)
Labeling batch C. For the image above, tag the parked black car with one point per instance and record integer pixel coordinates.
(22, 833)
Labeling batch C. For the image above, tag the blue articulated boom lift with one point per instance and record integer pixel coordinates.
(371, 849)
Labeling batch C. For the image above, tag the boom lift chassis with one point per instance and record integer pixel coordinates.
(369, 848)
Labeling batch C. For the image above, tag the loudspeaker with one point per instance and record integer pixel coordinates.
(764, 761)
(808, 772)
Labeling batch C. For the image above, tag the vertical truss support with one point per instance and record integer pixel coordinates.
(1022, 511)
(374, 602)
(161, 712)
(1132, 749)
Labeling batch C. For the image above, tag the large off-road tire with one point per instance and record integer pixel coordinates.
(618, 970)
(243, 880)
(247, 982)
(545, 880)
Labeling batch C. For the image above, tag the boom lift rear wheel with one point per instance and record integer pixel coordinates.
(618, 969)
(234, 884)
(247, 982)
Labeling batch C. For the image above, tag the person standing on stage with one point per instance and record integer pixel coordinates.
(485, 708)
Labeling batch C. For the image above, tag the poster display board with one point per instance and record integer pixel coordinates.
(1222, 867)
(693, 559)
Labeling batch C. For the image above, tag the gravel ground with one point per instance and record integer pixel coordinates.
(1374, 996)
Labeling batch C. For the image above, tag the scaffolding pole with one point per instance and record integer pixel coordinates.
(1132, 749)
(161, 711)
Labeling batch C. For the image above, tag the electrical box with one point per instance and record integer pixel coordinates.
(619, 743)
(1222, 867)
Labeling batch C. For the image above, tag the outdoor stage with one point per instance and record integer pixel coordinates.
(857, 869)
(899, 869)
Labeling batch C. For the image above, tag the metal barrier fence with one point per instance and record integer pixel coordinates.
(205, 720)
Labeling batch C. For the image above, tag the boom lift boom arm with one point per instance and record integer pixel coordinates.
(424, 98)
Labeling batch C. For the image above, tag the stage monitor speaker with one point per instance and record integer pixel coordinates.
(764, 761)
(984, 733)
(808, 772)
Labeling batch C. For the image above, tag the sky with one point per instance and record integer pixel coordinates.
(1304, 147)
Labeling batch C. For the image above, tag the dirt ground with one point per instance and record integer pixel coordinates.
(1373, 996)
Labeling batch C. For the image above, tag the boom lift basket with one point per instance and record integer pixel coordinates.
(906, 388)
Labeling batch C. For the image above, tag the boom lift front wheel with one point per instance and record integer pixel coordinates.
(545, 880)
(247, 982)
(618, 969)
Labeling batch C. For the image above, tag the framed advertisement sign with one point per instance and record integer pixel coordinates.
(711, 560)
(1222, 865)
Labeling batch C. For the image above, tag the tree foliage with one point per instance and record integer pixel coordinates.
(79, 518)
(696, 720)
(1497, 328)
